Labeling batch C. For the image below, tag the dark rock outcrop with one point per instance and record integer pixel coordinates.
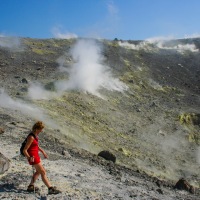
(182, 184)
(107, 155)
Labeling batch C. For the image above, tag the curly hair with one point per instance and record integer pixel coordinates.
(37, 126)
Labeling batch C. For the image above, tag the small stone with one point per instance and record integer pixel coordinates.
(66, 154)
(24, 81)
(1, 130)
(159, 191)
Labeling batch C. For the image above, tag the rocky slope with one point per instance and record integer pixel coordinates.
(138, 99)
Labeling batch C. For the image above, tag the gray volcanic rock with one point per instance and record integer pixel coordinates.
(4, 164)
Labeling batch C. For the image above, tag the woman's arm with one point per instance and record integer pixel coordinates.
(43, 152)
(28, 144)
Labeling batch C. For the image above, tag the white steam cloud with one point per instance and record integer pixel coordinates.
(195, 35)
(62, 61)
(12, 43)
(27, 109)
(62, 35)
(159, 38)
(37, 91)
(141, 45)
(88, 73)
(161, 43)
(154, 84)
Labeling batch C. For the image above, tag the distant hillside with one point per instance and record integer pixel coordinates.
(138, 99)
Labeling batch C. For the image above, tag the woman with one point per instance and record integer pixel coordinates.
(31, 151)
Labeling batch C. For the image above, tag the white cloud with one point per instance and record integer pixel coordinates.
(112, 9)
(108, 25)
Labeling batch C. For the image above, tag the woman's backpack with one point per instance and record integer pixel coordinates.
(24, 143)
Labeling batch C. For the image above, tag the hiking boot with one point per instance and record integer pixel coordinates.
(53, 190)
(32, 188)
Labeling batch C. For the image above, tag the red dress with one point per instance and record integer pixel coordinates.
(33, 151)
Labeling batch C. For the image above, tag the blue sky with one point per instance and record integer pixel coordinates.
(109, 19)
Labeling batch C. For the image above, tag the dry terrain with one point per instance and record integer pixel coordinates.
(139, 100)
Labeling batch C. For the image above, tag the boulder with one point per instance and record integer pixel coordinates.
(182, 184)
(107, 155)
(4, 163)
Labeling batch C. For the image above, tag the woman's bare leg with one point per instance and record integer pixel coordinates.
(34, 178)
(40, 169)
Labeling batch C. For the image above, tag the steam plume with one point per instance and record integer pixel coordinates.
(88, 73)
(161, 43)
(62, 35)
(12, 43)
(195, 35)
(27, 109)
(141, 45)
(37, 91)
